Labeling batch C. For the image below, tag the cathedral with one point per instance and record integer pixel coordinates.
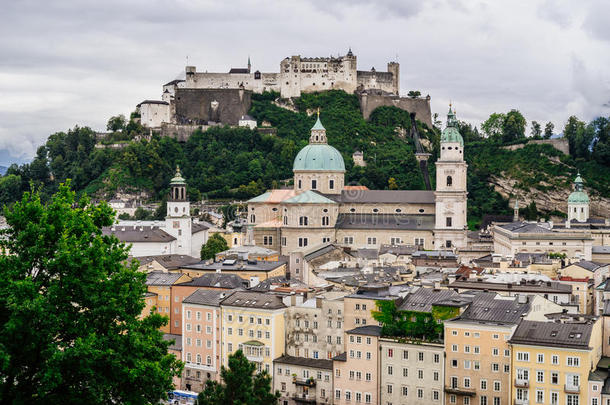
(320, 208)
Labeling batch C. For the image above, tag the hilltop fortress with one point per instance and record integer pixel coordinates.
(204, 98)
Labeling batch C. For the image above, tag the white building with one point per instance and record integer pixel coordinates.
(178, 234)
(153, 113)
(578, 202)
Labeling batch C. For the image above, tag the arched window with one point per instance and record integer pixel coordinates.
(198, 359)
(303, 221)
(449, 181)
(300, 183)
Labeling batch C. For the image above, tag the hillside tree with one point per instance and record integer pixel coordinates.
(513, 127)
(70, 310)
(536, 130)
(493, 126)
(548, 130)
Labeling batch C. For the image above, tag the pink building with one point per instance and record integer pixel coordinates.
(201, 338)
(356, 376)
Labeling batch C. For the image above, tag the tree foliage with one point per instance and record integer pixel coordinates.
(548, 130)
(70, 310)
(240, 385)
(215, 244)
(513, 127)
(536, 130)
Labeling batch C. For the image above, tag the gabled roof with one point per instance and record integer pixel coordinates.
(524, 227)
(423, 299)
(308, 197)
(305, 362)
(492, 308)
(554, 334)
(588, 265)
(169, 262)
(206, 297)
(369, 330)
(249, 299)
(131, 234)
(162, 279)
(153, 102)
(217, 280)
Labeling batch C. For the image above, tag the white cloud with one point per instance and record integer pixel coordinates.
(79, 62)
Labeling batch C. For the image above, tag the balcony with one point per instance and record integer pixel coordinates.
(522, 401)
(460, 391)
(522, 383)
(306, 382)
(572, 389)
(304, 398)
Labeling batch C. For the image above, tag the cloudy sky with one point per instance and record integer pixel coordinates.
(67, 63)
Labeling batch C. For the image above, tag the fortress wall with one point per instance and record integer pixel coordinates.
(561, 144)
(420, 106)
(199, 80)
(194, 106)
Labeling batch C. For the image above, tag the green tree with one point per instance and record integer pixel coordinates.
(548, 130)
(513, 127)
(215, 244)
(601, 144)
(70, 310)
(116, 123)
(536, 130)
(493, 126)
(240, 385)
(530, 212)
(10, 188)
(414, 93)
(579, 136)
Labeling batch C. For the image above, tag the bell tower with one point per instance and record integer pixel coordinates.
(451, 195)
(178, 219)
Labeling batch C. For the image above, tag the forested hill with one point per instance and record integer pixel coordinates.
(240, 163)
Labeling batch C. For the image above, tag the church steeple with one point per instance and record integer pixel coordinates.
(178, 185)
(318, 132)
(249, 65)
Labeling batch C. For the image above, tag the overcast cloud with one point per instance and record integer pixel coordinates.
(66, 63)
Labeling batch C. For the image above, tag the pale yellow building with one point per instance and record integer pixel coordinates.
(552, 361)
(253, 322)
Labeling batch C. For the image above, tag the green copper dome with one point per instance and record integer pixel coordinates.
(578, 197)
(319, 157)
(451, 132)
(177, 179)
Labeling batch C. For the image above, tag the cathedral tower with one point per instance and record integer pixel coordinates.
(450, 195)
(178, 219)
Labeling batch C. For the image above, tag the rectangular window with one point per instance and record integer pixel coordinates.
(448, 221)
(302, 242)
(331, 184)
(371, 241)
(314, 184)
(523, 356)
(348, 240)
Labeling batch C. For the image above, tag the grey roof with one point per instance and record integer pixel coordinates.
(423, 299)
(268, 284)
(491, 308)
(600, 249)
(532, 257)
(153, 102)
(380, 275)
(340, 357)
(198, 227)
(365, 253)
(169, 261)
(385, 221)
(587, 265)
(370, 330)
(174, 82)
(321, 251)
(217, 280)
(239, 70)
(397, 249)
(386, 196)
(134, 233)
(373, 292)
(529, 286)
(305, 362)
(177, 345)
(554, 334)
(206, 297)
(247, 118)
(524, 227)
(161, 278)
(242, 265)
(251, 299)
(443, 254)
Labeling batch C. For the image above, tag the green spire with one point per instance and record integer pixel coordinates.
(451, 121)
(318, 125)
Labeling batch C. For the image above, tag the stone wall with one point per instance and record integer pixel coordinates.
(180, 132)
(420, 106)
(562, 144)
(198, 106)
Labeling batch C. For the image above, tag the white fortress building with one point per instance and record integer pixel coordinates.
(320, 208)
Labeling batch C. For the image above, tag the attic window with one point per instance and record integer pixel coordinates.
(554, 333)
